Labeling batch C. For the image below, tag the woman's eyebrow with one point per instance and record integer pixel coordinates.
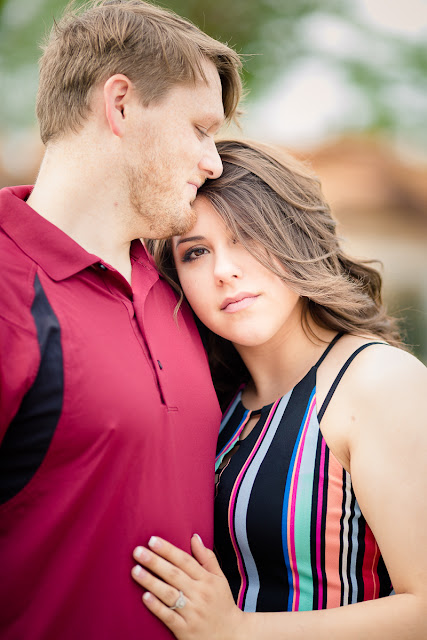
(189, 239)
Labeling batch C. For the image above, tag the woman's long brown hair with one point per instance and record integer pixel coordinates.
(274, 206)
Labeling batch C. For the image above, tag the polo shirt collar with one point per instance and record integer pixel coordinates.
(52, 249)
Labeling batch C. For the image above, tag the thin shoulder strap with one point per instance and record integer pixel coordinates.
(340, 375)
(327, 350)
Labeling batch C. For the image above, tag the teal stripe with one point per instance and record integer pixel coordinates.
(303, 510)
(287, 507)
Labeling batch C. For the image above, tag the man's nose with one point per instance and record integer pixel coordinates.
(211, 163)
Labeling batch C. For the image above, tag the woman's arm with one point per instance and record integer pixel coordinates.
(385, 398)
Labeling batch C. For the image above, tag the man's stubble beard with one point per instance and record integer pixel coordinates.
(160, 212)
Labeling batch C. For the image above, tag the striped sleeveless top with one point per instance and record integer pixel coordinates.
(289, 533)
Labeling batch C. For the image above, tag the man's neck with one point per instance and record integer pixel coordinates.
(74, 195)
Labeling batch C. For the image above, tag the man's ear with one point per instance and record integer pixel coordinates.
(117, 93)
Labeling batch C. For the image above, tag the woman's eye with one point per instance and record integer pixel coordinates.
(193, 254)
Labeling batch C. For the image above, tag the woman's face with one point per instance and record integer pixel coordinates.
(231, 292)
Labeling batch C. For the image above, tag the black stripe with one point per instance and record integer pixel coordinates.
(350, 546)
(31, 431)
(327, 350)
(223, 544)
(341, 563)
(359, 559)
(313, 523)
(385, 582)
(265, 509)
(323, 527)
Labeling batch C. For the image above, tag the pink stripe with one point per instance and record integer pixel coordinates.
(370, 563)
(291, 516)
(319, 523)
(233, 497)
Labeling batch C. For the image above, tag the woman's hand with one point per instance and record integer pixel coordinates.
(209, 612)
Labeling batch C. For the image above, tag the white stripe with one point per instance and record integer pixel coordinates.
(357, 514)
(345, 537)
(242, 507)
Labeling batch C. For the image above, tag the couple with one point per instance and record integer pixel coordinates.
(109, 420)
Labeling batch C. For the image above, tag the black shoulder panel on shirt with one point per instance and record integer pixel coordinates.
(31, 431)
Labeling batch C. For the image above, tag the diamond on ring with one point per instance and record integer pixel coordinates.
(180, 603)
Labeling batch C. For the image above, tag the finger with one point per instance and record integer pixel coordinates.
(163, 591)
(170, 618)
(162, 568)
(205, 556)
(177, 557)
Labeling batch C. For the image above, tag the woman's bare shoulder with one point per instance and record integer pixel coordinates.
(382, 386)
(384, 367)
(376, 365)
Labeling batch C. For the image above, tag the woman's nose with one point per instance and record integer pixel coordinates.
(226, 270)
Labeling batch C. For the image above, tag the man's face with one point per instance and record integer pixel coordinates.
(171, 153)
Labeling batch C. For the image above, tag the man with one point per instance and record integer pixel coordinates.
(108, 418)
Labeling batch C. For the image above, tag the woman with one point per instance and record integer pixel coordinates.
(321, 483)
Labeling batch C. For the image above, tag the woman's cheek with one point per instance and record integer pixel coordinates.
(194, 293)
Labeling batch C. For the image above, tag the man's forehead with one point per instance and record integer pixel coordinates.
(210, 106)
(211, 77)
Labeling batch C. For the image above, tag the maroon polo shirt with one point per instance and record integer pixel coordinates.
(108, 427)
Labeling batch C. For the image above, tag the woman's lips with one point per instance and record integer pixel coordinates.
(230, 306)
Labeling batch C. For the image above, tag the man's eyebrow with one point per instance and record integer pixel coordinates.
(214, 120)
(189, 239)
(217, 122)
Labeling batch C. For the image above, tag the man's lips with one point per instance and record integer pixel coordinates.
(239, 302)
(196, 183)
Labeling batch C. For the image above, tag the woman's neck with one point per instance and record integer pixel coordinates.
(275, 368)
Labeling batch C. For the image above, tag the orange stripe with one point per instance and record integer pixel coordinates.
(332, 534)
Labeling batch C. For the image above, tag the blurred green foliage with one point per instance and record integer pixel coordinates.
(265, 31)
(268, 33)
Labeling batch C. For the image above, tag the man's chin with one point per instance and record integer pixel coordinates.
(177, 227)
(186, 222)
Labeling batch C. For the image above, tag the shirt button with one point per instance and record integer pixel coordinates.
(102, 266)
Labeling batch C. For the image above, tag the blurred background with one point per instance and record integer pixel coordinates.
(343, 83)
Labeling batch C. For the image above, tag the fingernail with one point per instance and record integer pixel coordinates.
(196, 535)
(154, 542)
(138, 571)
(147, 596)
(141, 554)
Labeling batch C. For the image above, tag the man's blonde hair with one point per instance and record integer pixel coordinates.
(155, 48)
